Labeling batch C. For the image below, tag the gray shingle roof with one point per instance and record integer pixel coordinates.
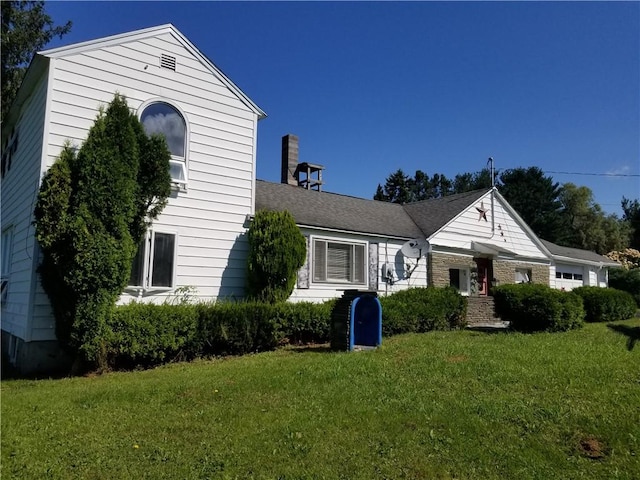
(431, 215)
(577, 253)
(332, 210)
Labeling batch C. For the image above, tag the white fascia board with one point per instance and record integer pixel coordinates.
(148, 32)
(351, 232)
(576, 261)
(523, 224)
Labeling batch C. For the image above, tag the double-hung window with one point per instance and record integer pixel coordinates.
(164, 119)
(339, 262)
(154, 264)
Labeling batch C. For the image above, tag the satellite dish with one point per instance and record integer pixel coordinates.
(414, 248)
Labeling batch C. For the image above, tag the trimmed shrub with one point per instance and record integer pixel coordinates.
(141, 334)
(606, 304)
(147, 334)
(422, 310)
(534, 307)
(227, 328)
(277, 250)
(627, 281)
(305, 322)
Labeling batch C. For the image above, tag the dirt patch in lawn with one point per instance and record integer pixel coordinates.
(592, 448)
(457, 359)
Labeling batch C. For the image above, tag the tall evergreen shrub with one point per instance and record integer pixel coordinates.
(277, 250)
(93, 208)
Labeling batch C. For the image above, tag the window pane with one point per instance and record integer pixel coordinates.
(339, 262)
(319, 261)
(567, 276)
(164, 119)
(558, 274)
(454, 278)
(163, 258)
(137, 268)
(177, 171)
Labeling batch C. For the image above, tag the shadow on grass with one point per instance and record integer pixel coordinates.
(633, 333)
(314, 347)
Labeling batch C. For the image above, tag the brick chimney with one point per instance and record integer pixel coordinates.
(290, 159)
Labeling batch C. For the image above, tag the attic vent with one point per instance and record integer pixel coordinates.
(167, 61)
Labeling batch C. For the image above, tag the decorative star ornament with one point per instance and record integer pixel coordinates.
(482, 212)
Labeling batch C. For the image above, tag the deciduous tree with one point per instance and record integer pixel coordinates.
(26, 28)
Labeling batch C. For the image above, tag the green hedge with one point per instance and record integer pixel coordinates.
(626, 280)
(143, 334)
(534, 307)
(606, 304)
(422, 310)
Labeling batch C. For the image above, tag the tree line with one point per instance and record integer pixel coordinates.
(566, 214)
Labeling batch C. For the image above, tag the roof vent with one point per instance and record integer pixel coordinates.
(167, 61)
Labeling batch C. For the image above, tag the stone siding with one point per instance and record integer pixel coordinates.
(439, 265)
(505, 272)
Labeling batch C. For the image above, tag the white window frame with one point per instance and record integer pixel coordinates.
(336, 281)
(526, 273)
(7, 259)
(176, 160)
(464, 279)
(147, 262)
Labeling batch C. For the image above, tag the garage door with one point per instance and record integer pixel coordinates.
(569, 276)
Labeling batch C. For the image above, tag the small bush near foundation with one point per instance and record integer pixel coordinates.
(532, 308)
(422, 310)
(606, 304)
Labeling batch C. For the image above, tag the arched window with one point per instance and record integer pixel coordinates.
(165, 119)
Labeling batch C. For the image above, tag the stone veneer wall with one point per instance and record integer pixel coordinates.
(439, 265)
(505, 271)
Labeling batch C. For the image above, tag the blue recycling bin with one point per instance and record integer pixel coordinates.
(356, 321)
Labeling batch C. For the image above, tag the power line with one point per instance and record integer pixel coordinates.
(596, 174)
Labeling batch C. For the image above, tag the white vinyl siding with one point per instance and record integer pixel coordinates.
(19, 190)
(388, 252)
(209, 218)
(504, 231)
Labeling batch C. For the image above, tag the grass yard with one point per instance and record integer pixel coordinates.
(450, 405)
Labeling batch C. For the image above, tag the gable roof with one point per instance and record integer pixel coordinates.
(335, 211)
(41, 59)
(567, 253)
(433, 214)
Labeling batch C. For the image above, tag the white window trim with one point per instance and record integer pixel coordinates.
(147, 264)
(467, 285)
(365, 244)
(183, 161)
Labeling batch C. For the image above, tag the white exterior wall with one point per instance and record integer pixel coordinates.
(507, 232)
(388, 252)
(208, 218)
(19, 190)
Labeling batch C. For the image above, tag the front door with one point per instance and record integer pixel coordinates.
(484, 275)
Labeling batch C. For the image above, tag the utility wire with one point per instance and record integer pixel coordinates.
(597, 174)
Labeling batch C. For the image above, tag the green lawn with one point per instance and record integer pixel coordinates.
(453, 405)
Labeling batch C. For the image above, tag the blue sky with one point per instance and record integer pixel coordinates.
(370, 87)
